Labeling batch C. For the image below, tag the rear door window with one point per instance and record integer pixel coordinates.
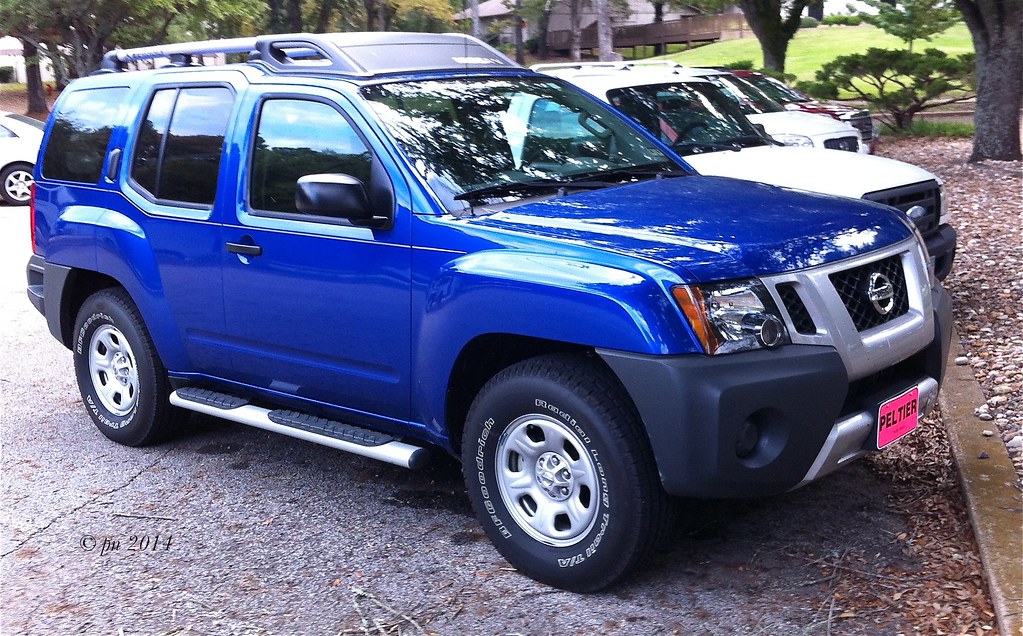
(177, 156)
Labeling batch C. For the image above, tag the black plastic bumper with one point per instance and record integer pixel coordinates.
(46, 283)
(698, 410)
(941, 246)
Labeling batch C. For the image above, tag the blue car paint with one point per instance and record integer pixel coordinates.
(445, 281)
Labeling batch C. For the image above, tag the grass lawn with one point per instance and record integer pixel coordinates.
(812, 48)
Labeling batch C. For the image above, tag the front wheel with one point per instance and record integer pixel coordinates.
(559, 472)
(123, 382)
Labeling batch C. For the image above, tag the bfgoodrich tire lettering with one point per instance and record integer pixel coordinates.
(560, 473)
(122, 381)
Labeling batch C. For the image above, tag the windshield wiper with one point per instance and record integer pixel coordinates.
(523, 187)
(743, 140)
(653, 171)
(697, 146)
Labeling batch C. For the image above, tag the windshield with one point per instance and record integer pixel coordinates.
(778, 91)
(691, 117)
(491, 135)
(750, 99)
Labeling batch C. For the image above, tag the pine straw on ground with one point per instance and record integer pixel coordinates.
(945, 593)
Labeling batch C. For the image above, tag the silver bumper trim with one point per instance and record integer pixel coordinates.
(845, 443)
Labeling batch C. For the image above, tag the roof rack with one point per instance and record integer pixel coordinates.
(620, 66)
(361, 54)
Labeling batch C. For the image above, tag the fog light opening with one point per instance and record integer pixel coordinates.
(748, 439)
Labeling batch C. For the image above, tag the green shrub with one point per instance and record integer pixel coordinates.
(808, 23)
(843, 20)
(897, 84)
(6, 74)
(740, 65)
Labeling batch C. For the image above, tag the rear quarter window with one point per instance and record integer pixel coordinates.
(81, 132)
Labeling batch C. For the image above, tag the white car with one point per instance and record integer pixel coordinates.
(691, 115)
(20, 137)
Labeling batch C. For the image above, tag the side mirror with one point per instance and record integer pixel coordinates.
(339, 196)
(761, 129)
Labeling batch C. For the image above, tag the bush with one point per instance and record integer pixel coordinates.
(6, 74)
(898, 84)
(740, 65)
(808, 23)
(843, 20)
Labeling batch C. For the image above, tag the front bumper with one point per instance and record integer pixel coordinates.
(941, 248)
(810, 417)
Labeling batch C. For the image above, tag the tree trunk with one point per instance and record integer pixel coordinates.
(998, 41)
(474, 13)
(371, 14)
(520, 54)
(605, 32)
(275, 19)
(658, 18)
(294, 11)
(34, 80)
(773, 30)
(543, 27)
(574, 18)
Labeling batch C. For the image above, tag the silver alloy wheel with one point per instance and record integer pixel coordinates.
(18, 185)
(547, 480)
(115, 376)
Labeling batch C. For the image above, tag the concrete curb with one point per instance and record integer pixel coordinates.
(992, 496)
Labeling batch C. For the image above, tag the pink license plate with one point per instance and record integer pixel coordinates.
(897, 416)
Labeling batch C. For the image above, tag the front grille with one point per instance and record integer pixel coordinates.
(862, 122)
(926, 194)
(852, 286)
(801, 319)
(849, 144)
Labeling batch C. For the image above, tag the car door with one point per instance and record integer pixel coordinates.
(315, 307)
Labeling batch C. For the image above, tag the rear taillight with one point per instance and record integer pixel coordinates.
(32, 218)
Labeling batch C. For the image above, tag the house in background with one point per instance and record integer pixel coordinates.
(497, 16)
(11, 55)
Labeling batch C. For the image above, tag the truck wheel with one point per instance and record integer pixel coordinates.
(16, 180)
(560, 473)
(123, 382)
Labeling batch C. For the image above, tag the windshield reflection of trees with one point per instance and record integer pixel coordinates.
(462, 135)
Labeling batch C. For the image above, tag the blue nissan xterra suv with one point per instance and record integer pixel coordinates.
(368, 241)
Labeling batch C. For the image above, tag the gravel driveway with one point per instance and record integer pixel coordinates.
(230, 530)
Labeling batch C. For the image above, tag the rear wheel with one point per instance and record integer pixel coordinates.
(123, 382)
(16, 183)
(560, 473)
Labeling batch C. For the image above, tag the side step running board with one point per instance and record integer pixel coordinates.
(314, 429)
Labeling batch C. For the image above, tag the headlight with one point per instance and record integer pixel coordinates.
(733, 316)
(794, 140)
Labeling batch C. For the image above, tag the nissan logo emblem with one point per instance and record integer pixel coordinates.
(881, 293)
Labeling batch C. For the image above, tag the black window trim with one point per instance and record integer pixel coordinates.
(144, 112)
(249, 170)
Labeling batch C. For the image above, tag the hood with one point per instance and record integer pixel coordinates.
(707, 228)
(846, 174)
(800, 123)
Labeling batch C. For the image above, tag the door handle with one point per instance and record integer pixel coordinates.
(245, 250)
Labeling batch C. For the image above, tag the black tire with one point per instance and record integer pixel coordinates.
(15, 181)
(123, 383)
(528, 423)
